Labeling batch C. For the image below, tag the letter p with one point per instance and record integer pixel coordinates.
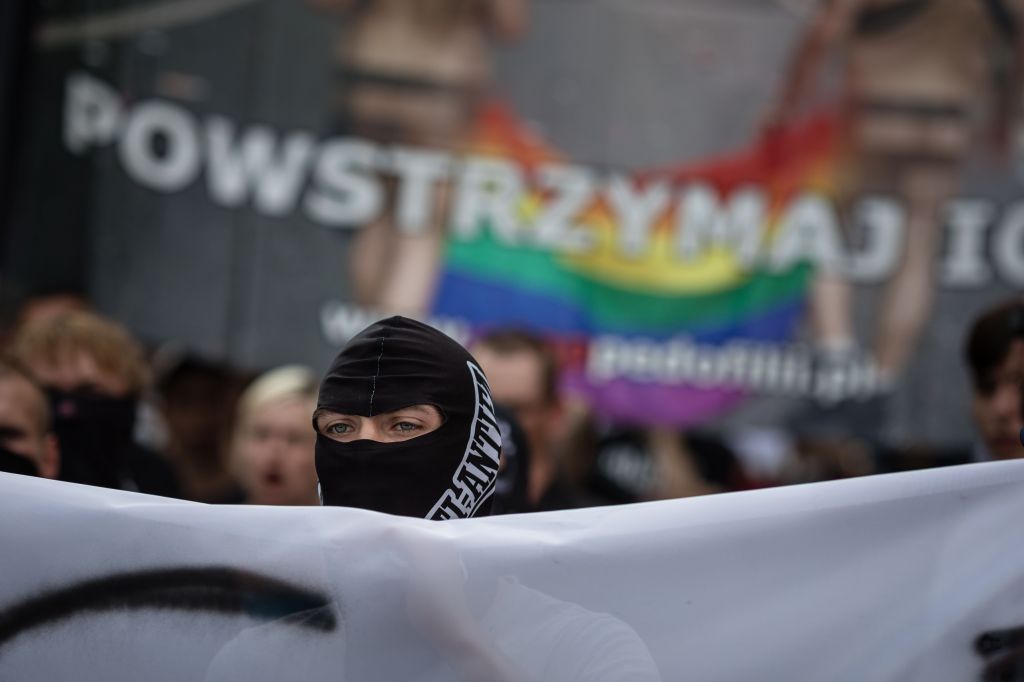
(92, 112)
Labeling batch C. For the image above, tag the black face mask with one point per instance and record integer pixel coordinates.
(447, 473)
(94, 433)
(512, 488)
(13, 463)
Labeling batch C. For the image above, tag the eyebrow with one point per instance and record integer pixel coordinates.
(324, 412)
(419, 408)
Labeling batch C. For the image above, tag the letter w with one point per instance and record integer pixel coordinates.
(255, 163)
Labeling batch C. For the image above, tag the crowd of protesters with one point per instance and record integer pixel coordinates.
(83, 400)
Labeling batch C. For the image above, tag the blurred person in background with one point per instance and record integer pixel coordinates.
(523, 375)
(827, 458)
(94, 373)
(622, 465)
(693, 463)
(195, 402)
(997, 374)
(418, 74)
(574, 461)
(272, 451)
(27, 443)
(921, 81)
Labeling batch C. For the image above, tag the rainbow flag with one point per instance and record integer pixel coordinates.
(571, 299)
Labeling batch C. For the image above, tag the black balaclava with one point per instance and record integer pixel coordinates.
(511, 492)
(444, 474)
(13, 463)
(95, 436)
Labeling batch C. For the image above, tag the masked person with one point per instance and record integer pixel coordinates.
(94, 374)
(405, 425)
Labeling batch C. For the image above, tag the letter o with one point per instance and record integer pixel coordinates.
(179, 166)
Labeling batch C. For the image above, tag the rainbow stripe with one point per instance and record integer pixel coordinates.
(571, 298)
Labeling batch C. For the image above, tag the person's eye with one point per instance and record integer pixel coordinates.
(338, 428)
(406, 428)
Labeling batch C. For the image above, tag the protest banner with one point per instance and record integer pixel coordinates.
(911, 576)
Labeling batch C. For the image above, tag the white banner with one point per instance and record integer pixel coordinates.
(916, 576)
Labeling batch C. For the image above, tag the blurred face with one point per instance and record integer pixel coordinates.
(274, 454)
(388, 427)
(21, 425)
(996, 407)
(517, 383)
(77, 371)
(196, 410)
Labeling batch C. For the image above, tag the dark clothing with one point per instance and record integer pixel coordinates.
(143, 470)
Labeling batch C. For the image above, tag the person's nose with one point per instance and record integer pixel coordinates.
(368, 431)
(268, 451)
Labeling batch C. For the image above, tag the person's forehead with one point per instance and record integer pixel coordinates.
(512, 375)
(72, 369)
(195, 387)
(284, 411)
(418, 409)
(1010, 369)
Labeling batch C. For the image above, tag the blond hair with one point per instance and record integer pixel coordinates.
(114, 349)
(289, 381)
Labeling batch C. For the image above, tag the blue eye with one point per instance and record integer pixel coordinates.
(406, 427)
(338, 428)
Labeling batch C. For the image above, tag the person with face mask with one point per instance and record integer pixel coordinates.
(94, 373)
(405, 425)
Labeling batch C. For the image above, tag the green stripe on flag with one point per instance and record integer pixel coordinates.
(538, 271)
